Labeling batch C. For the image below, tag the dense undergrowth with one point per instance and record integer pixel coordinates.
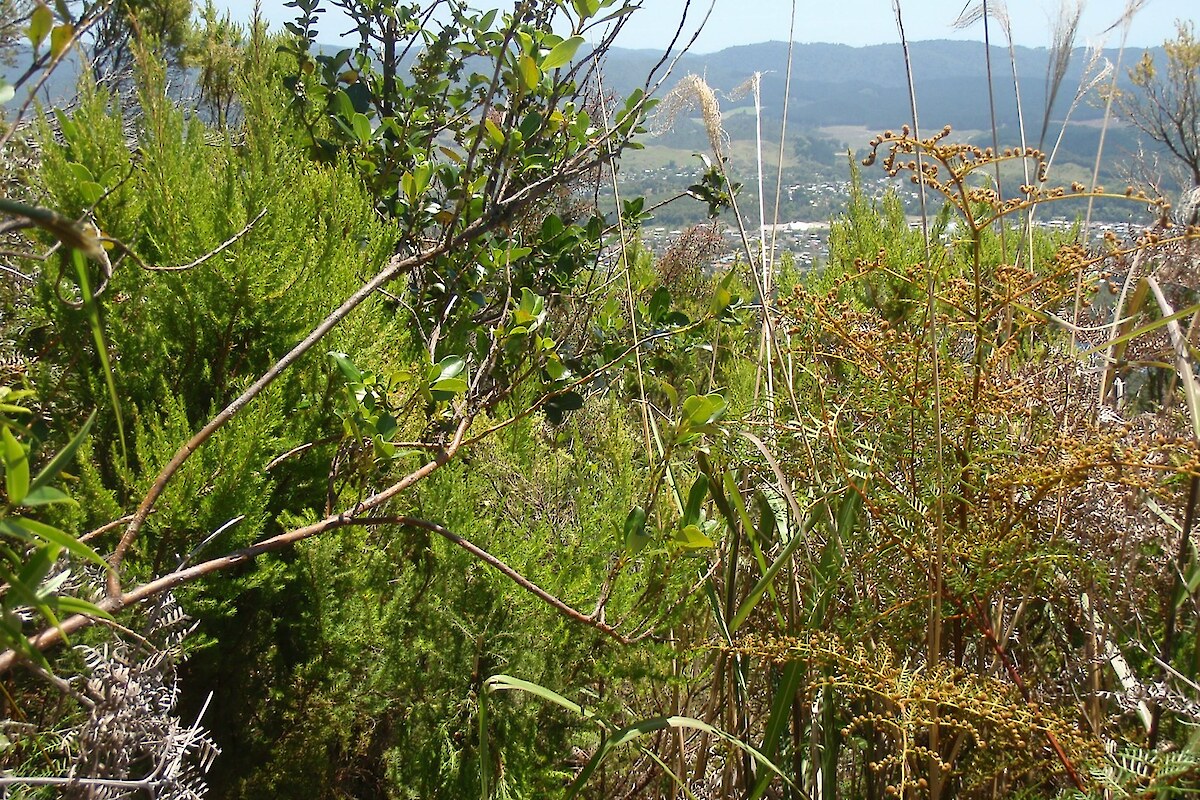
(524, 510)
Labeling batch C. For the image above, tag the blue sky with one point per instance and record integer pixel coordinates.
(854, 22)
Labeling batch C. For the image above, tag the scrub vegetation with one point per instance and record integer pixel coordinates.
(354, 445)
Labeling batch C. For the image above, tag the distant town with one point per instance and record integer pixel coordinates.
(807, 240)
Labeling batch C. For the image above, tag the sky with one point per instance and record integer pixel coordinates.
(853, 22)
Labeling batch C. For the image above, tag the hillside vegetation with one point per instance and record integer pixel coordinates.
(355, 445)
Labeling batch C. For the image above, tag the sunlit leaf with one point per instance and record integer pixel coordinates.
(16, 467)
(448, 367)
(562, 53)
(351, 373)
(44, 496)
(530, 74)
(691, 537)
(40, 23)
(634, 533)
(59, 538)
(60, 39)
(495, 135)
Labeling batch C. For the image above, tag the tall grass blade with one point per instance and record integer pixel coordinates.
(92, 310)
(484, 743)
(621, 736)
(777, 720)
(760, 588)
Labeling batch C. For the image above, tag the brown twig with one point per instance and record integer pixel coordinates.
(593, 620)
(210, 254)
(979, 618)
(116, 523)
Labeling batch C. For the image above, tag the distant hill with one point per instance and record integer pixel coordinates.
(842, 95)
(835, 84)
(839, 85)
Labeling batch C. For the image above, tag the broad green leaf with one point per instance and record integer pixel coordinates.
(44, 496)
(40, 23)
(635, 530)
(660, 303)
(530, 74)
(524, 42)
(696, 497)
(351, 373)
(494, 134)
(700, 410)
(423, 174)
(91, 192)
(722, 296)
(60, 39)
(691, 537)
(562, 53)
(80, 172)
(58, 538)
(362, 128)
(343, 105)
(386, 426)
(448, 367)
(531, 311)
(16, 467)
(447, 388)
(556, 369)
(696, 410)
(383, 448)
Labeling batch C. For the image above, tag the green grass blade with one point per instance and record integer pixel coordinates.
(1141, 330)
(93, 316)
(62, 457)
(484, 755)
(777, 721)
(622, 736)
(58, 538)
(645, 727)
(754, 537)
(760, 588)
(507, 683)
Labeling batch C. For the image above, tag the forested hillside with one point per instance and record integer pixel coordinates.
(356, 446)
